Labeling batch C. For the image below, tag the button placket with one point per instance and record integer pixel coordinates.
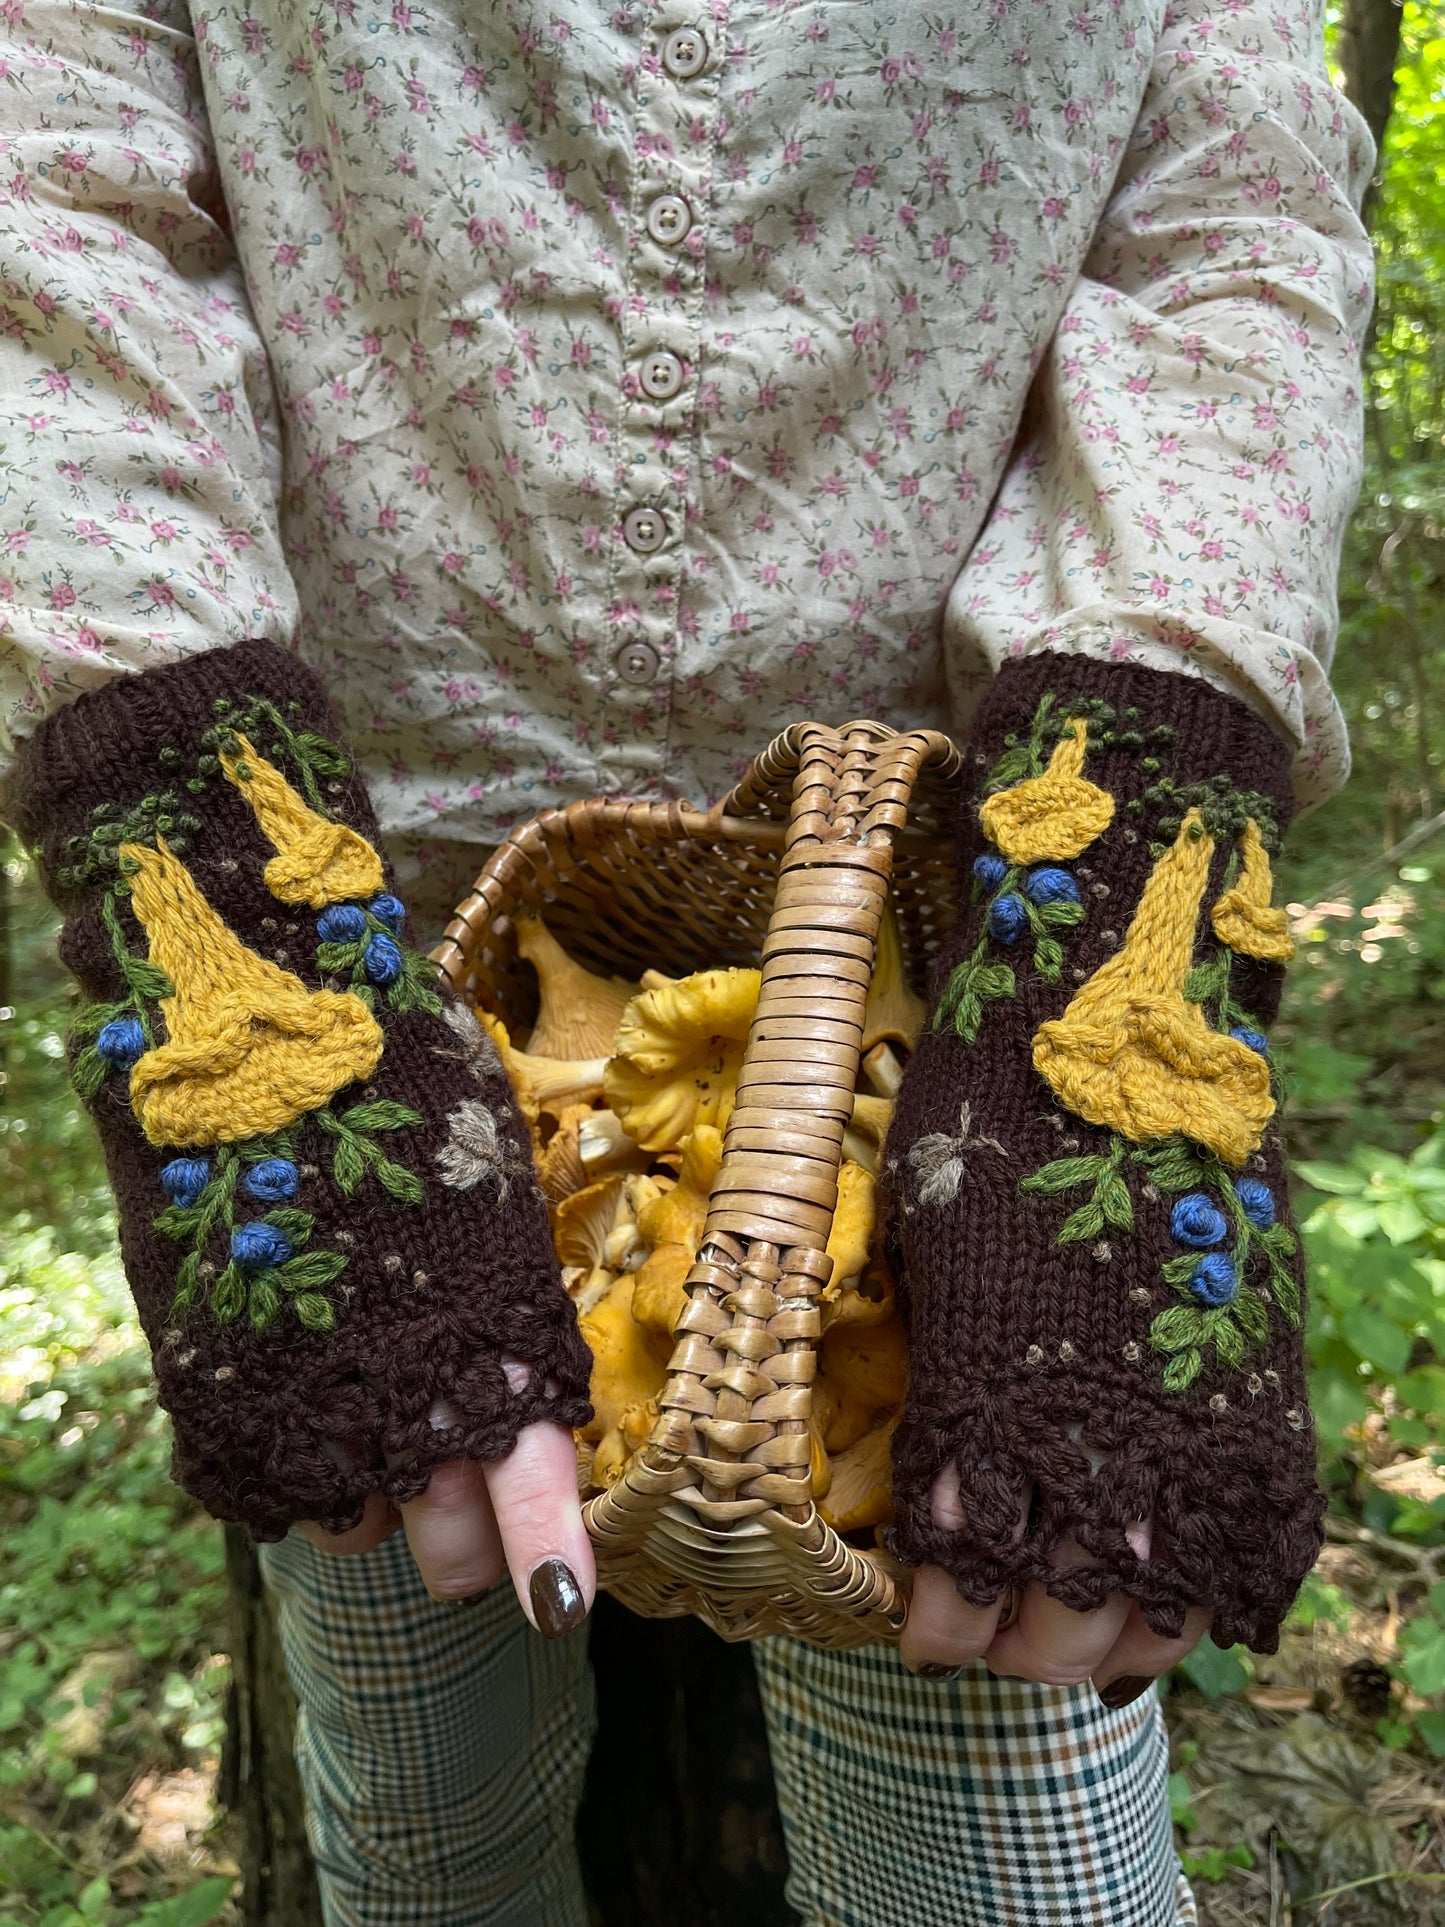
(675, 130)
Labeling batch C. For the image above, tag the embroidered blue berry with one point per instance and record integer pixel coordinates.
(1258, 1202)
(1198, 1221)
(389, 910)
(1008, 919)
(184, 1179)
(272, 1181)
(1252, 1039)
(382, 960)
(990, 870)
(1214, 1282)
(1050, 885)
(342, 923)
(256, 1246)
(121, 1042)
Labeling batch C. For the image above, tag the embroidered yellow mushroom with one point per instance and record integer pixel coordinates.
(248, 1047)
(678, 1052)
(1132, 1053)
(1243, 917)
(1055, 815)
(316, 862)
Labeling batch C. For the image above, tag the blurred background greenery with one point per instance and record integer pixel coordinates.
(1307, 1787)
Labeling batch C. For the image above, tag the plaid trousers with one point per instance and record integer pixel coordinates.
(442, 1750)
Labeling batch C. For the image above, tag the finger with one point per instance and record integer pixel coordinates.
(1053, 1644)
(1138, 1657)
(943, 1631)
(534, 1497)
(453, 1534)
(378, 1521)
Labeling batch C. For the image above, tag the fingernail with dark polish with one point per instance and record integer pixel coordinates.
(556, 1598)
(935, 1669)
(1120, 1693)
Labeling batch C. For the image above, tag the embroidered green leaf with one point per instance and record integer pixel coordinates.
(1172, 1165)
(381, 1114)
(1061, 916)
(324, 757)
(179, 1221)
(1182, 1370)
(148, 980)
(1286, 1291)
(1278, 1238)
(311, 1272)
(263, 1303)
(1064, 1174)
(187, 1282)
(297, 1225)
(314, 1311)
(1250, 1310)
(1176, 1327)
(93, 1020)
(1117, 1205)
(228, 1295)
(992, 981)
(1048, 959)
(397, 1182)
(348, 1166)
(1011, 767)
(88, 1074)
(1178, 1271)
(411, 991)
(338, 959)
(1086, 1222)
(1228, 1338)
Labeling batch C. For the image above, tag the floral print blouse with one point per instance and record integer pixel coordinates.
(591, 387)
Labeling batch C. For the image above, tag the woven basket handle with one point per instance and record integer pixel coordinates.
(851, 790)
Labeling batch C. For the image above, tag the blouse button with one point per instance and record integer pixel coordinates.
(661, 375)
(668, 219)
(637, 662)
(684, 53)
(644, 530)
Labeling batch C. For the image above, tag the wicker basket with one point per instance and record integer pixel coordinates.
(713, 1516)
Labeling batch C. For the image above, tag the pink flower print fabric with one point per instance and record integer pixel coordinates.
(590, 391)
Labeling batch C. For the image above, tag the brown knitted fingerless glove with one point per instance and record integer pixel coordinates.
(327, 1208)
(1086, 1184)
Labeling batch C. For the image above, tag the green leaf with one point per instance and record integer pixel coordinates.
(297, 1225)
(1176, 1327)
(1431, 1728)
(383, 1114)
(1172, 1166)
(148, 980)
(992, 981)
(323, 756)
(1048, 959)
(178, 1221)
(1011, 768)
(1178, 1271)
(1228, 1341)
(312, 1270)
(1336, 1178)
(1062, 916)
(187, 1282)
(1423, 1659)
(348, 1166)
(1182, 1370)
(1376, 1338)
(337, 959)
(88, 1075)
(1402, 1220)
(399, 1183)
(314, 1311)
(1086, 1222)
(93, 1020)
(1063, 1174)
(1249, 1309)
(1117, 1205)
(263, 1303)
(196, 1907)
(1216, 1672)
(228, 1295)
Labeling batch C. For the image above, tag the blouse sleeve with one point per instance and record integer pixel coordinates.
(139, 457)
(1191, 449)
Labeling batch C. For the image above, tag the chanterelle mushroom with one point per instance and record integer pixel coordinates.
(580, 1011)
(679, 1049)
(892, 1012)
(625, 1370)
(544, 1083)
(678, 1215)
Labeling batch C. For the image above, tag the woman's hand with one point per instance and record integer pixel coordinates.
(1036, 1637)
(520, 1514)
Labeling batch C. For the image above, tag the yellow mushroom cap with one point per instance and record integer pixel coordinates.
(1056, 815)
(579, 1010)
(679, 1049)
(1243, 917)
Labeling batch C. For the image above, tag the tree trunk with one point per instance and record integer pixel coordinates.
(259, 1782)
(1368, 46)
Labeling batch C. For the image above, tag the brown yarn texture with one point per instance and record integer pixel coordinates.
(444, 1281)
(1022, 1348)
